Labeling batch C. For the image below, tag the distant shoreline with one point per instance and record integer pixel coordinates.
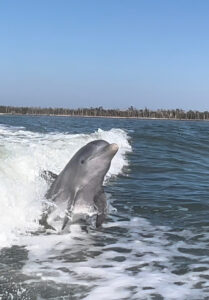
(100, 112)
(101, 117)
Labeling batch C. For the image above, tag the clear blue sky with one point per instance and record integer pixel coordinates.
(110, 53)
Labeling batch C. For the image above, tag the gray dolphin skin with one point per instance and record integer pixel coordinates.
(78, 189)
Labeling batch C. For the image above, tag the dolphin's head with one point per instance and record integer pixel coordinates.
(92, 161)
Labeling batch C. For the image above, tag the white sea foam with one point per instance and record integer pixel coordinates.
(137, 265)
(23, 155)
(131, 259)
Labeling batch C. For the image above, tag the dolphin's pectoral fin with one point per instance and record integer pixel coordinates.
(68, 211)
(100, 220)
(48, 175)
(67, 218)
(100, 203)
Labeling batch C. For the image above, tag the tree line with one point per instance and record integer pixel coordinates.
(131, 112)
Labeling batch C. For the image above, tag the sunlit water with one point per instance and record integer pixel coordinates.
(155, 241)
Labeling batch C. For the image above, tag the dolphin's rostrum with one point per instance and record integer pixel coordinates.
(78, 189)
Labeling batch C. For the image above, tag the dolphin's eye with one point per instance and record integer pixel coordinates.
(82, 161)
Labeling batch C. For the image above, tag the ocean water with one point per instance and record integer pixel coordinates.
(155, 241)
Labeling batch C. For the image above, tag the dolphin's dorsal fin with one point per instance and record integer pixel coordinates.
(48, 175)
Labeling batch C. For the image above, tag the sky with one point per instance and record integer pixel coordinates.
(110, 53)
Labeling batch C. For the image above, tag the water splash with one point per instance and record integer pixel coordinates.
(23, 156)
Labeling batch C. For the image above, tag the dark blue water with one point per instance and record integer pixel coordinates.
(155, 242)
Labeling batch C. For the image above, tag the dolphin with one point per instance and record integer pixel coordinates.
(78, 189)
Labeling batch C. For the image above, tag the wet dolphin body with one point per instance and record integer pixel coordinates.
(78, 189)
